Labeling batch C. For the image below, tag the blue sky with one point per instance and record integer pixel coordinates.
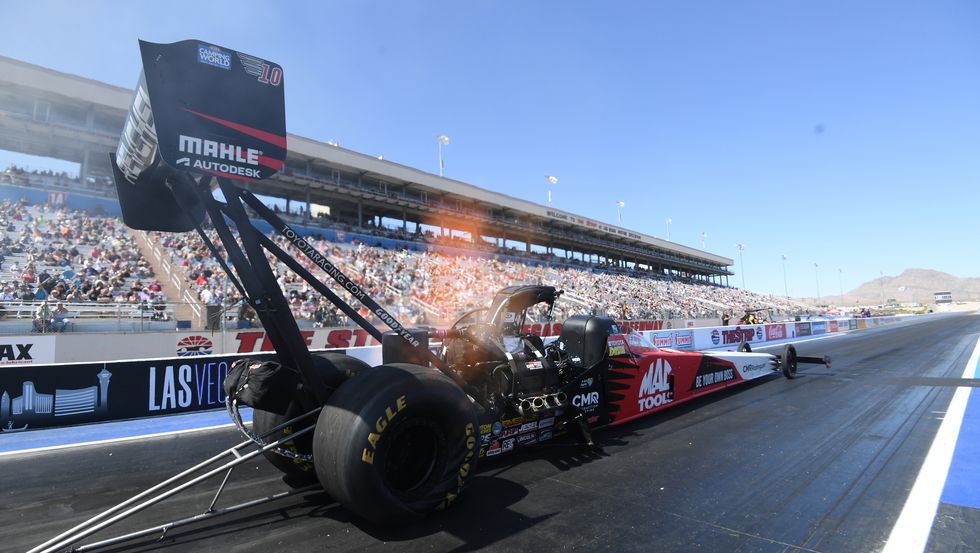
(840, 133)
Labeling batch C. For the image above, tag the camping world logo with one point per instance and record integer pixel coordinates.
(194, 345)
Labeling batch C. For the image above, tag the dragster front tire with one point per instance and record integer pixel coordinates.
(395, 443)
(789, 363)
(299, 473)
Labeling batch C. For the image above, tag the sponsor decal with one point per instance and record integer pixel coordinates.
(663, 339)
(494, 449)
(219, 152)
(760, 333)
(655, 386)
(485, 428)
(185, 385)
(545, 423)
(587, 383)
(367, 454)
(497, 427)
(508, 432)
(640, 326)
(341, 338)
(534, 365)
(684, 339)
(529, 438)
(752, 369)
(507, 445)
(715, 337)
(47, 395)
(512, 422)
(737, 335)
(832, 326)
(818, 327)
(213, 56)
(533, 425)
(542, 329)
(775, 332)
(712, 372)
(587, 400)
(261, 69)
(802, 329)
(15, 353)
(544, 435)
(194, 345)
(617, 348)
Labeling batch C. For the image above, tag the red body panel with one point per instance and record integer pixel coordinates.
(642, 381)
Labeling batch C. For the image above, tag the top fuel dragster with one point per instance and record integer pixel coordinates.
(394, 442)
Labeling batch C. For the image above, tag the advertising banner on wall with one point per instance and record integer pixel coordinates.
(66, 394)
(34, 349)
(775, 331)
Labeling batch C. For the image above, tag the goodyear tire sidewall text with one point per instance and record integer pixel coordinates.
(365, 417)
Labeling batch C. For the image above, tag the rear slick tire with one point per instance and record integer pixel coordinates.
(299, 473)
(395, 443)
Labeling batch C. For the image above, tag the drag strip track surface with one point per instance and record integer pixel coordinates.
(820, 463)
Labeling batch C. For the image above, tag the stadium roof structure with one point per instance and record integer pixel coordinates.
(49, 113)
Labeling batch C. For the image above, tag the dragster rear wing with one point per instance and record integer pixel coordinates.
(201, 113)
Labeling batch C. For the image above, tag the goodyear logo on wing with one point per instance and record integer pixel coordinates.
(214, 56)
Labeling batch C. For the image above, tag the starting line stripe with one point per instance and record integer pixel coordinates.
(911, 530)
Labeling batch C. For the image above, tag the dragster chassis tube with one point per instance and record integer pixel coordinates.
(345, 282)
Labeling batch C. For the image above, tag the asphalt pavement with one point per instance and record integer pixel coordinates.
(823, 463)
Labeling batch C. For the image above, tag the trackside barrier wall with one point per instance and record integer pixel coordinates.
(44, 396)
(82, 347)
(38, 394)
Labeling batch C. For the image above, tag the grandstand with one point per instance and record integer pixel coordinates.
(430, 248)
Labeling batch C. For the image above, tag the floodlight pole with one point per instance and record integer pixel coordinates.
(785, 284)
(741, 261)
(442, 140)
(816, 273)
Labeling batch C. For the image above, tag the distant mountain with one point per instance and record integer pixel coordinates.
(916, 285)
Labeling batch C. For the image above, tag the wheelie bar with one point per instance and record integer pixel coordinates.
(172, 486)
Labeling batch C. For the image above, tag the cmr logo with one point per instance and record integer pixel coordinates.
(655, 386)
(586, 400)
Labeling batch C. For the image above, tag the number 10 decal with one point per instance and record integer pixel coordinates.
(271, 76)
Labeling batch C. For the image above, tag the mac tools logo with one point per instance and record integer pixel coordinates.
(655, 386)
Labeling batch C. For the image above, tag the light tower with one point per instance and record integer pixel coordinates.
(443, 140)
(552, 180)
(741, 262)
